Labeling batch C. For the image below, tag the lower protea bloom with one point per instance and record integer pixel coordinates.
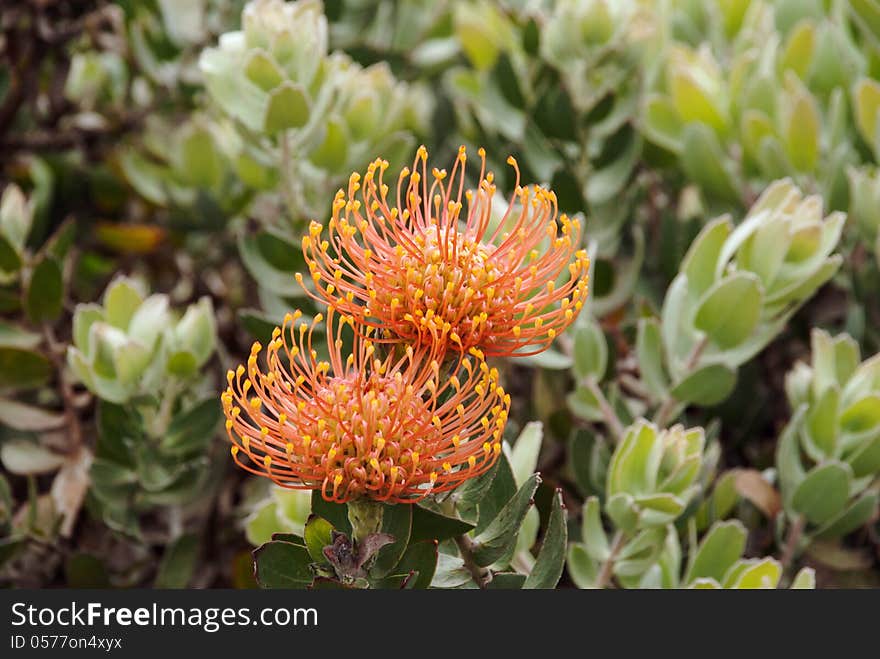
(422, 273)
(395, 428)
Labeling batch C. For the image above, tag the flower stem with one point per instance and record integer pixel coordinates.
(608, 566)
(365, 516)
(481, 575)
(56, 355)
(166, 406)
(664, 414)
(610, 416)
(792, 540)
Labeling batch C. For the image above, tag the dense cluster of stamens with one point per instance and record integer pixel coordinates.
(395, 427)
(418, 273)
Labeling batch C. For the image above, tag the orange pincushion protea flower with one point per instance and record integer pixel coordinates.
(393, 429)
(419, 273)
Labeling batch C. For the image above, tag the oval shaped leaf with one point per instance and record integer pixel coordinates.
(730, 309)
(823, 493)
(707, 385)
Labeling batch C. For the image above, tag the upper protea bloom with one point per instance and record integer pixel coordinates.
(422, 273)
(394, 428)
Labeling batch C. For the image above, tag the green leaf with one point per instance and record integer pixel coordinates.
(332, 154)
(593, 534)
(430, 525)
(649, 352)
(25, 457)
(473, 27)
(121, 299)
(755, 128)
(265, 273)
(693, 104)
(606, 183)
(640, 554)
(118, 429)
(507, 581)
(862, 415)
(866, 96)
(262, 525)
(857, 514)
(549, 359)
(288, 108)
(262, 70)
(551, 559)
(179, 562)
(722, 546)
(802, 132)
(10, 261)
(805, 579)
(788, 461)
(582, 569)
(201, 160)
(12, 336)
(659, 509)
(524, 457)
(590, 352)
(16, 216)
(821, 429)
(798, 50)
(182, 364)
(701, 260)
(450, 572)
(823, 493)
(317, 535)
(294, 507)
(635, 461)
(704, 162)
(23, 369)
(865, 460)
(622, 510)
(396, 521)
(708, 385)
(192, 430)
(662, 123)
(730, 309)
(503, 488)
(282, 565)
(28, 418)
(335, 513)
(500, 535)
(757, 574)
(583, 404)
(588, 458)
(720, 503)
(421, 559)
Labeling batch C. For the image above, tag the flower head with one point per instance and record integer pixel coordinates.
(393, 428)
(420, 272)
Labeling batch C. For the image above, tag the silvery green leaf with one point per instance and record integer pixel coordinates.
(823, 493)
(707, 385)
(754, 573)
(121, 299)
(26, 458)
(649, 350)
(592, 533)
(524, 456)
(805, 579)
(590, 351)
(821, 430)
(729, 311)
(582, 569)
(858, 513)
(720, 548)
